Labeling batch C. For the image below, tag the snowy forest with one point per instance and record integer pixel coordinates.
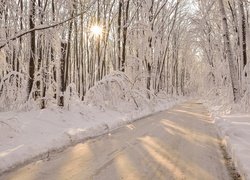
(55, 52)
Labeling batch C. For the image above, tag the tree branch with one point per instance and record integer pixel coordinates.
(40, 27)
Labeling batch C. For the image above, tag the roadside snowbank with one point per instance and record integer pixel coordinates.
(234, 130)
(27, 136)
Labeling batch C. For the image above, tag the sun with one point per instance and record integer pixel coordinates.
(96, 30)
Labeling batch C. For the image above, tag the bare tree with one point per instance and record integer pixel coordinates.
(229, 51)
(32, 46)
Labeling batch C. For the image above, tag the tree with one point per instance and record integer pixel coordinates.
(31, 65)
(229, 51)
(140, 38)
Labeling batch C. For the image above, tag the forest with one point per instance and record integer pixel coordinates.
(55, 52)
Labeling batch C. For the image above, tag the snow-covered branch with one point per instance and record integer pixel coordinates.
(41, 27)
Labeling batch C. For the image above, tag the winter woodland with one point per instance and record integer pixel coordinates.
(51, 56)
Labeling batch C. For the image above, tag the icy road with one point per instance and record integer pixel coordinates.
(180, 143)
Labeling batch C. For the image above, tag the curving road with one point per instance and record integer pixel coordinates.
(180, 143)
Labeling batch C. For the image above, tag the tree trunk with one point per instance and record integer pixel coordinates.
(230, 57)
(243, 25)
(118, 66)
(32, 47)
(124, 43)
(61, 74)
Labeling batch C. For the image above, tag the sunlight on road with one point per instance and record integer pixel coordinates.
(194, 137)
(160, 157)
(199, 115)
(167, 158)
(77, 156)
(27, 173)
(131, 127)
(125, 167)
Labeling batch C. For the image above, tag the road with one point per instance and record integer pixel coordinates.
(180, 143)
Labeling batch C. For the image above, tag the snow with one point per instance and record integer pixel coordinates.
(32, 135)
(234, 129)
(166, 145)
(27, 136)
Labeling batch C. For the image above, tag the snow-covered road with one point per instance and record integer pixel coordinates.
(180, 143)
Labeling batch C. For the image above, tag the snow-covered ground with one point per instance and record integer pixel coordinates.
(172, 144)
(25, 136)
(234, 129)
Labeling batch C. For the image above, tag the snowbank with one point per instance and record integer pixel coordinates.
(234, 130)
(27, 136)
